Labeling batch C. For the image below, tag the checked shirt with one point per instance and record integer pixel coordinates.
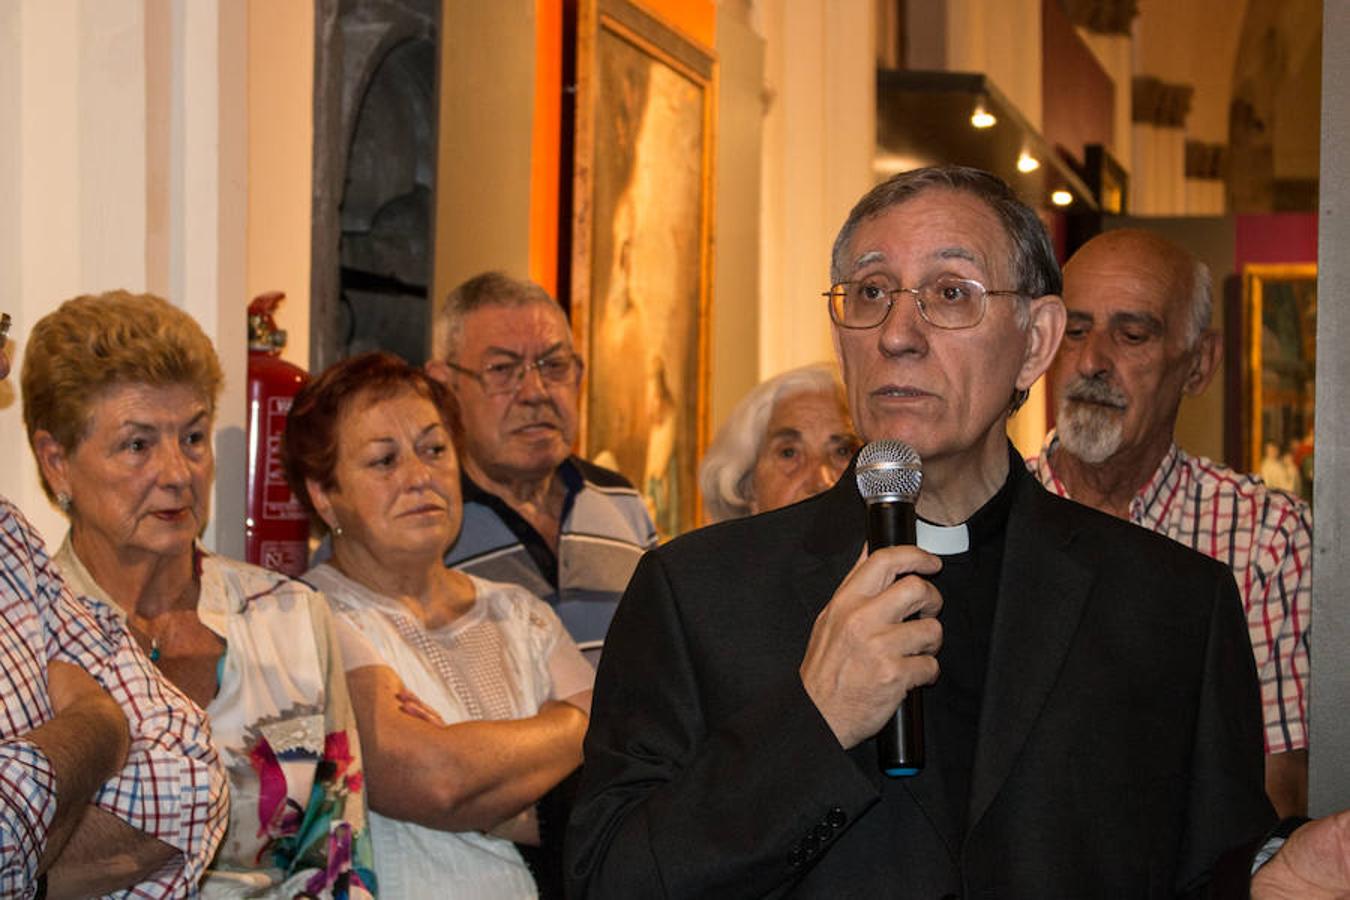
(172, 786)
(1265, 536)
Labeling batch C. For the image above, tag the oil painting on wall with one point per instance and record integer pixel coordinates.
(1281, 347)
(641, 250)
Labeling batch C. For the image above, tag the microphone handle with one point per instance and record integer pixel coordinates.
(900, 745)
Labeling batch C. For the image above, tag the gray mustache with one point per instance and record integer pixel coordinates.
(1094, 390)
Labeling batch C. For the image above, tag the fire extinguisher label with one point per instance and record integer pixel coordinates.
(278, 504)
(289, 557)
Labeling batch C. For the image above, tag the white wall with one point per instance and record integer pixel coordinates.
(75, 176)
(479, 42)
(280, 161)
(1164, 47)
(738, 175)
(1114, 54)
(819, 140)
(114, 181)
(1158, 181)
(1003, 40)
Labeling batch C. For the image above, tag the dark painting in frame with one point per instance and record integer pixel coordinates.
(641, 251)
(1281, 320)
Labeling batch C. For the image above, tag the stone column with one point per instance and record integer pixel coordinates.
(819, 141)
(1157, 181)
(1329, 785)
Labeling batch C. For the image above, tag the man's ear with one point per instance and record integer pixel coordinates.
(441, 371)
(52, 461)
(1044, 332)
(1204, 363)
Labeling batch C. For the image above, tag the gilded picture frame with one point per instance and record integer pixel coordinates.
(641, 257)
(1281, 339)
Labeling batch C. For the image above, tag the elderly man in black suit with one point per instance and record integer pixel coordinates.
(1093, 722)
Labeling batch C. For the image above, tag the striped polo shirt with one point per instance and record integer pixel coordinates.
(605, 530)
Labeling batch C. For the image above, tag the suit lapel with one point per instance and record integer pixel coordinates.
(929, 792)
(830, 545)
(1042, 590)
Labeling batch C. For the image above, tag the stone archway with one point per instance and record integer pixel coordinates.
(374, 160)
(1275, 110)
(386, 208)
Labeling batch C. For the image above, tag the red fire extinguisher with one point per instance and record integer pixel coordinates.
(276, 527)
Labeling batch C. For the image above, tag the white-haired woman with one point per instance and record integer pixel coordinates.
(788, 439)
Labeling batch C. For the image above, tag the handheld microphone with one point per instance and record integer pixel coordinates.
(889, 477)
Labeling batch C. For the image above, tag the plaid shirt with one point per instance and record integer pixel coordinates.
(1265, 536)
(172, 787)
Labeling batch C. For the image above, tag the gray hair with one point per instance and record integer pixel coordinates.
(1035, 269)
(725, 474)
(1202, 302)
(485, 289)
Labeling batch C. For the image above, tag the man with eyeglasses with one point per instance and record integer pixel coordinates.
(534, 514)
(1092, 716)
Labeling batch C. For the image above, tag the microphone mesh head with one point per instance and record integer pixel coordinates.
(889, 470)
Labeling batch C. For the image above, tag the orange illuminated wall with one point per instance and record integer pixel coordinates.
(544, 150)
(696, 19)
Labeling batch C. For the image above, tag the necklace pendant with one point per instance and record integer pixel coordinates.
(154, 650)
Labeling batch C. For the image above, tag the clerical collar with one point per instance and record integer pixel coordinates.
(943, 540)
(988, 521)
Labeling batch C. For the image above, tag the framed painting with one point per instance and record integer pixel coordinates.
(1281, 332)
(641, 251)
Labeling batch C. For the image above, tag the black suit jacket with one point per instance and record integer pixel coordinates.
(1119, 749)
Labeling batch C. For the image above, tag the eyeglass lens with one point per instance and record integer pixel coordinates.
(944, 302)
(555, 369)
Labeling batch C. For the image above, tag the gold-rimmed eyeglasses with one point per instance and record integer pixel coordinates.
(506, 377)
(944, 302)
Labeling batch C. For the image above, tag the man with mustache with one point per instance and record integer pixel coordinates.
(534, 514)
(1091, 709)
(1137, 341)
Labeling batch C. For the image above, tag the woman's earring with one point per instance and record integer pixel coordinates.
(63, 501)
(337, 531)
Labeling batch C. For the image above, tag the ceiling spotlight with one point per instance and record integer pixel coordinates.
(1061, 198)
(982, 118)
(1027, 163)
